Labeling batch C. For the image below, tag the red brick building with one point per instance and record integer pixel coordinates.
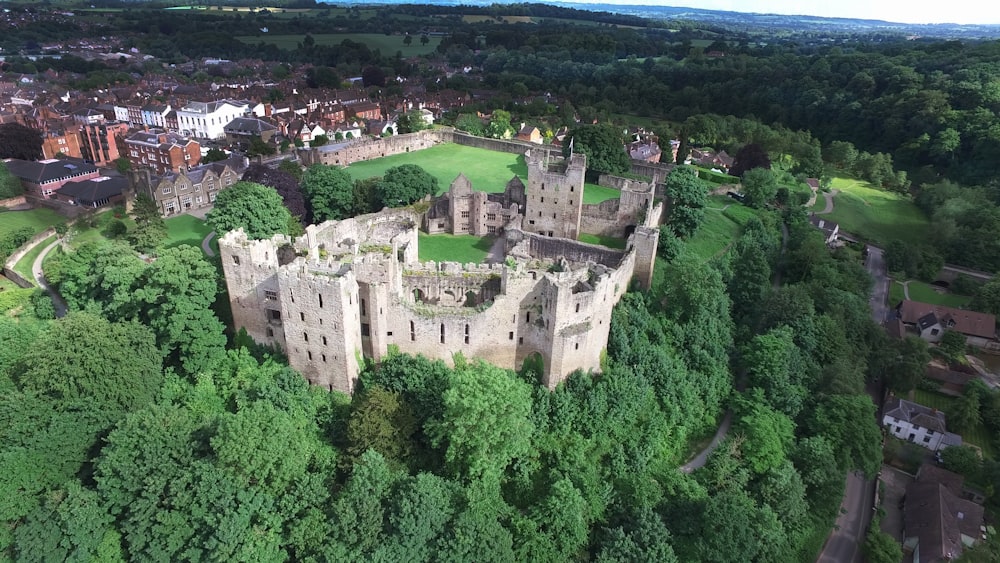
(100, 142)
(162, 151)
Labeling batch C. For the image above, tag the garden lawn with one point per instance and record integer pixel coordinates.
(38, 219)
(610, 242)
(489, 171)
(388, 44)
(24, 265)
(185, 229)
(875, 215)
(719, 230)
(978, 436)
(453, 248)
(926, 293)
(896, 294)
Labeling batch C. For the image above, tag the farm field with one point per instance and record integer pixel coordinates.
(38, 219)
(489, 171)
(978, 436)
(872, 214)
(387, 44)
(452, 248)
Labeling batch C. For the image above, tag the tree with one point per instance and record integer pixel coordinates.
(848, 422)
(123, 165)
(499, 126)
(289, 166)
(408, 40)
(952, 344)
(841, 154)
(381, 421)
(769, 434)
(411, 122)
(329, 191)
(424, 40)
(405, 184)
(214, 155)
(963, 460)
(687, 196)
(84, 356)
(257, 209)
(769, 361)
(880, 547)
(177, 292)
(284, 183)
(319, 141)
(904, 363)
(603, 146)
(259, 148)
(18, 141)
(750, 156)
(373, 76)
(486, 421)
(10, 186)
(322, 77)
(471, 124)
(149, 229)
(759, 186)
(71, 525)
(964, 414)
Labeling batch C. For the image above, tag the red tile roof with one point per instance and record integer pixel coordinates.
(969, 323)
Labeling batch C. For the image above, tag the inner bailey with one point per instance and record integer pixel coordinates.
(353, 288)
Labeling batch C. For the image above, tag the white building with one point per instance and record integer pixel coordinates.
(155, 115)
(921, 425)
(207, 120)
(121, 113)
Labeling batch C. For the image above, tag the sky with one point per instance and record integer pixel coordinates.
(904, 11)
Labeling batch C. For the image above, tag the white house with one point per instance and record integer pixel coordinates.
(154, 115)
(829, 228)
(121, 113)
(207, 120)
(916, 423)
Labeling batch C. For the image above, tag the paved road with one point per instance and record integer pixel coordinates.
(844, 543)
(828, 196)
(880, 292)
(206, 245)
(36, 271)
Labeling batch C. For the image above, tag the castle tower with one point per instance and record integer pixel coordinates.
(554, 194)
(645, 241)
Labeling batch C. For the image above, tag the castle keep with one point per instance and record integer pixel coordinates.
(351, 289)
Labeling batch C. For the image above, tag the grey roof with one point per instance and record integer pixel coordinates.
(938, 516)
(916, 414)
(90, 191)
(40, 172)
(927, 321)
(248, 126)
(161, 139)
(210, 107)
(197, 173)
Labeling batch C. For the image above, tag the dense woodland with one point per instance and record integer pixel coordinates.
(139, 428)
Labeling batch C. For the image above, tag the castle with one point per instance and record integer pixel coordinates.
(350, 289)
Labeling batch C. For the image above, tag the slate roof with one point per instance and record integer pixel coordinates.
(970, 323)
(43, 171)
(937, 515)
(96, 189)
(916, 414)
(197, 173)
(161, 139)
(247, 126)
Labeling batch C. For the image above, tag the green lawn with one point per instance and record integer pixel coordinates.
(23, 265)
(388, 44)
(927, 293)
(978, 436)
(895, 293)
(489, 171)
(610, 242)
(453, 248)
(875, 215)
(185, 229)
(6, 284)
(38, 219)
(719, 230)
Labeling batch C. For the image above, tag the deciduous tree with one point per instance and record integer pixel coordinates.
(603, 146)
(329, 191)
(687, 195)
(257, 209)
(18, 141)
(760, 186)
(405, 184)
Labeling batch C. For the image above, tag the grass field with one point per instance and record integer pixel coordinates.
(718, 231)
(978, 436)
(925, 292)
(610, 242)
(387, 44)
(498, 19)
(185, 229)
(489, 171)
(23, 265)
(874, 215)
(453, 248)
(38, 219)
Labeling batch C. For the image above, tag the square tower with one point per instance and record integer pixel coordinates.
(555, 194)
